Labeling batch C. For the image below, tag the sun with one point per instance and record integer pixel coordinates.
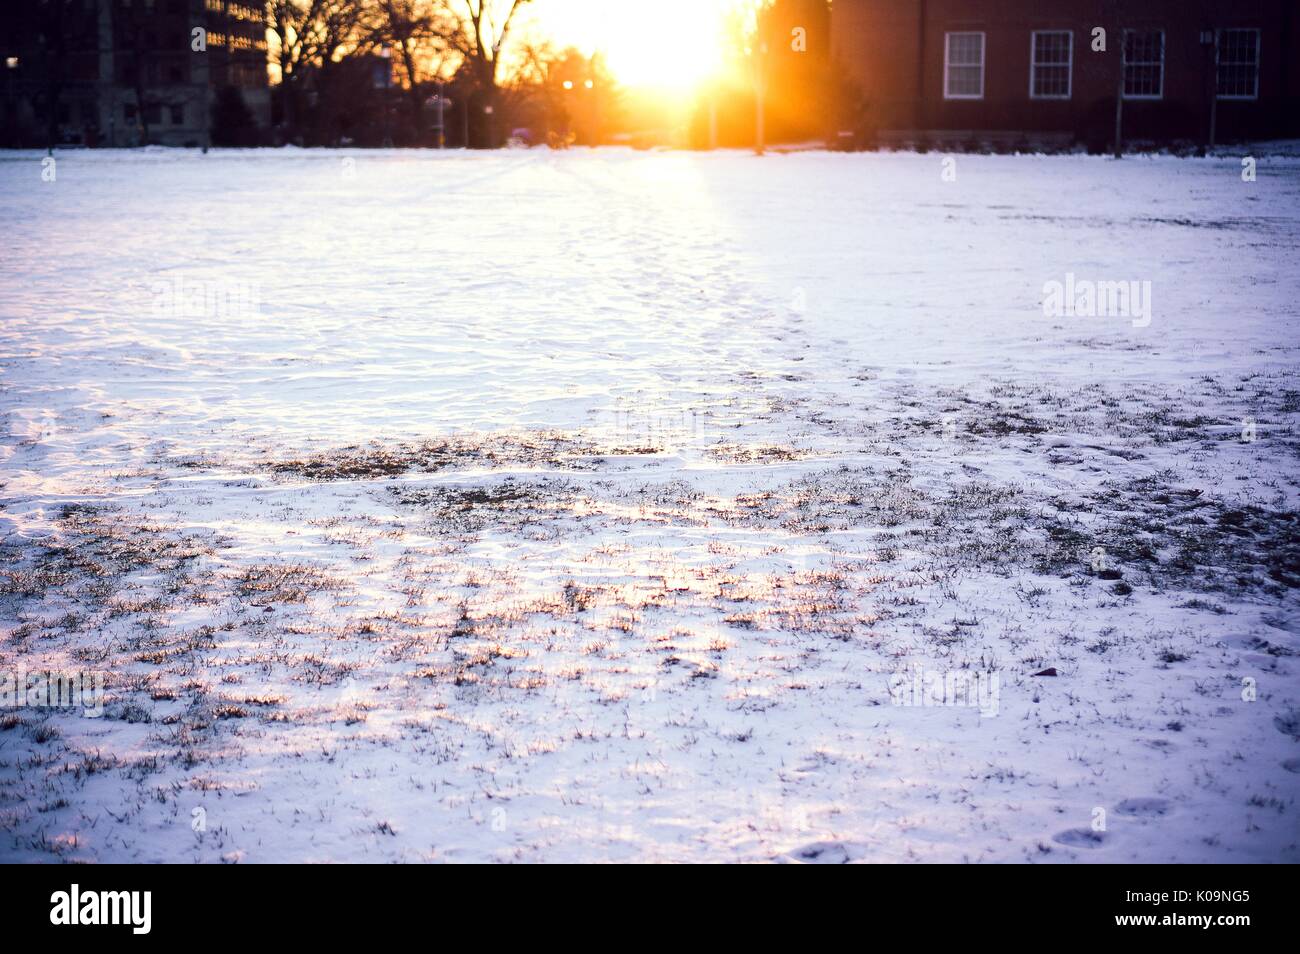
(672, 46)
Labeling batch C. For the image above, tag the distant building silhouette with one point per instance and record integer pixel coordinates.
(1172, 70)
(126, 72)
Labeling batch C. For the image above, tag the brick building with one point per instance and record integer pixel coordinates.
(1195, 71)
(127, 72)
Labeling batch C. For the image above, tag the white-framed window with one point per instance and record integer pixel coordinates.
(1144, 64)
(1051, 61)
(1236, 61)
(963, 66)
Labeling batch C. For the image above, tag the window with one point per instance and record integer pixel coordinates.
(963, 66)
(178, 115)
(1144, 64)
(1051, 55)
(1236, 59)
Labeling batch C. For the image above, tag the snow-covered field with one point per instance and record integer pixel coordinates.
(636, 506)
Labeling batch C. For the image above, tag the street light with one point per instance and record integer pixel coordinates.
(592, 104)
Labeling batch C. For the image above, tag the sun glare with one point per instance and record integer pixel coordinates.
(670, 45)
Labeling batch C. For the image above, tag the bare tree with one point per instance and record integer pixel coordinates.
(311, 34)
(417, 31)
(293, 24)
(485, 28)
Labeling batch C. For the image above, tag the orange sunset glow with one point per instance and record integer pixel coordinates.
(670, 46)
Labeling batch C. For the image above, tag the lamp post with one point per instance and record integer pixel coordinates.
(442, 135)
(205, 96)
(567, 112)
(590, 85)
(593, 106)
(1210, 44)
(1119, 116)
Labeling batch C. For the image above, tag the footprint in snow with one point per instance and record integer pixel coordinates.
(1292, 765)
(823, 853)
(1144, 807)
(1082, 838)
(1288, 723)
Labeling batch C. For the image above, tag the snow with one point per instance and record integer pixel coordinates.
(586, 506)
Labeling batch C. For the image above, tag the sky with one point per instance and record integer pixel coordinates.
(665, 45)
